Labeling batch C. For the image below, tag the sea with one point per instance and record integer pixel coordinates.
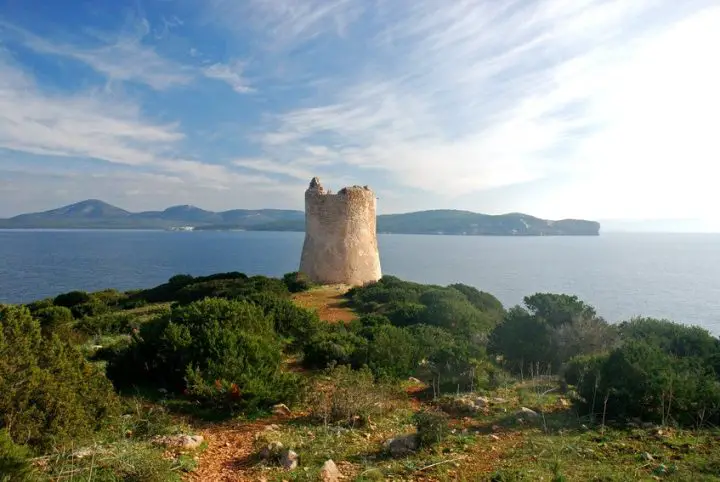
(623, 275)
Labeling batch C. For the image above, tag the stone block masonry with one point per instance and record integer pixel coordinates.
(340, 236)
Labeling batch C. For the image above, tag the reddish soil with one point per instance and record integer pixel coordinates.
(328, 301)
(229, 456)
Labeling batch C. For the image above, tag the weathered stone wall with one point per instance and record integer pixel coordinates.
(340, 236)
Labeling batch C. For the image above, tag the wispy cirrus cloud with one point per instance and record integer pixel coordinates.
(88, 125)
(289, 22)
(101, 126)
(230, 73)
(472, 95)
(120, 57)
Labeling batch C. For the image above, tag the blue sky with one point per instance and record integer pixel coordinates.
(602, 109)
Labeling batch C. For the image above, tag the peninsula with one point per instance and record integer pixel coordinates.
(96, 214)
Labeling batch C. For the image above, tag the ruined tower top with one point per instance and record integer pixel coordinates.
(340, 235)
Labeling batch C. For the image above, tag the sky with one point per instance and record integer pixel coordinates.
(595, 109)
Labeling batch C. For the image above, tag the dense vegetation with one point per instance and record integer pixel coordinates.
(223, 345)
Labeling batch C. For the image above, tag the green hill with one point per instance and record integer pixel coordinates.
(100, 215)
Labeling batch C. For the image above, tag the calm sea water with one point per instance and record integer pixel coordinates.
(674, 276)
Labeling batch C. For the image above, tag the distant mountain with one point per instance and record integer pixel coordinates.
(100, 215)
(474, 224)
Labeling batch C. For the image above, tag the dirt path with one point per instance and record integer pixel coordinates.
(328, 301)
(229, 455)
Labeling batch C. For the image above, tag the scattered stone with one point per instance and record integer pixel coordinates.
(460, 405)
(647, 457)
(182, 442)
(499, 400)
(482, 401)
(271, 451)
(289, 459)
(281, 409)
(402, 445)
(494, 437)
(82, 453)
(527, 413)
(330, 472)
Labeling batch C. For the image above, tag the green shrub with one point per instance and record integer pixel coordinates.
(672, 338)
(38, 305)
(49, 394)
(216, 284)
(110, 298)
(93, 307)
(297, 282)
(479, 299)
(372, 319)
(432, 427)
(641, 380)
(15, 464)
(114, 323)
(72, 298)
(332, 344)
(290, 320)
(578, 368)
(350, 396)
(445, 360)
(55, 319)
(552, 330)
(449, 309)
(389, 352)
(404, 313)
(224, 352)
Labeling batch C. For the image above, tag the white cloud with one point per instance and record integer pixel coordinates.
(295, 170)
(470, 95)
(104, 127)
(231, 74)
(286, 22)
(123, 57)
(89, 125)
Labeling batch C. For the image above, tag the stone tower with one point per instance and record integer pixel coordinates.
(340, 236)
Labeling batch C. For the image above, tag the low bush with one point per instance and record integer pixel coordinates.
(549, 331)
(350, 396)
(114, 323)
(290, 320)
(672, 338)
(432, 427)
(224, 352)
(15, 461)
(332, 344)
(641, 380)
(297, 282)
(49, 394)
(389, 351)
(55, 319)
(72, 298)
(479, 299)
(404, 313)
